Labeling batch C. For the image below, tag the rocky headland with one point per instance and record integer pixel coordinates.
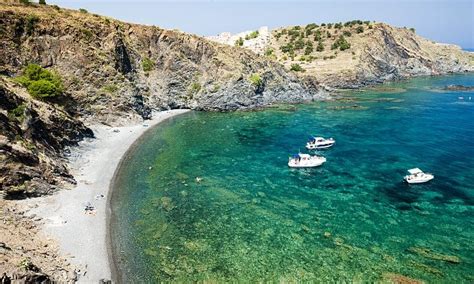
(357, 53)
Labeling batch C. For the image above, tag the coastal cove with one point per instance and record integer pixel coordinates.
(251, 218)
(82, 237)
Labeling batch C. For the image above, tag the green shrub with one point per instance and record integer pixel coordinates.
(252, 35)
(194, 88)
(256, 80)
(42, 89)
(25, 2)
(42, 2)
(31, 21)
(320, 46)
(309, 48)
(287, 48)
(56, 7)
(147, 64)
(341, 43)
(317, 35)
(87, 34)
(40, 83)
(299, 44)
(338, 26)
(239, 42)
(370, 27)
(18, 112)
(346, 33)
(360, 29)
(296, 67)
(110, 88)
(83, 11)
(328, 34)
(311, 26)
(269, 51)
(412, 30)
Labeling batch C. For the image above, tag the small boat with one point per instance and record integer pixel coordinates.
(305, 161)
(319, 143)
(418, 176)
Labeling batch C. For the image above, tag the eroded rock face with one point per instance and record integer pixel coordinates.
(116, 71)
(33, 137)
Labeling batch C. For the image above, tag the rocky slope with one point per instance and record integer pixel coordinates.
(34, 136)
(26, 256)
(376, 52)
(110, 67)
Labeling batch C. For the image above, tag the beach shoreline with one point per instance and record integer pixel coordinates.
(83, 237)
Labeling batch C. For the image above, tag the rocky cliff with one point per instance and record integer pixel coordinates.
(114, 72)
(113, 69)
(357, 53)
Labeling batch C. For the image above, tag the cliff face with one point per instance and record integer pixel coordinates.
(113, 69)
(375, 53)
(33, 139)
(114, 72)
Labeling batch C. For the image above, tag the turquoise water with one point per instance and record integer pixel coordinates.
(252, 218)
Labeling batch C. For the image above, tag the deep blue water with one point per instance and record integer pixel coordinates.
(252, 218)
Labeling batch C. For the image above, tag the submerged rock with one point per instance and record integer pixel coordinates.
(458, 88)
(427, 253)
(399, 279)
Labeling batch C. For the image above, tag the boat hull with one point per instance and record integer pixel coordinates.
(426, 178)
(315, 147)
(307, 164)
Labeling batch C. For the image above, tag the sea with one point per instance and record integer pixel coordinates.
(209, 196)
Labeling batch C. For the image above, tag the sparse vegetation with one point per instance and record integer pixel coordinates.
(309, 48)
(83, 11)
(412, 30)
(239, 42)
(346, 33)
(296, 67)
(40, 83)
(87, 34)
(341, 43)
(18, 112)
(320, 46)
(252, 35)
(147, 64)
(110, 88)
(360, 29)
(194, 88)
(42, 2)
(56, 7)
(256, 79)
(31, 21)
(269, 52)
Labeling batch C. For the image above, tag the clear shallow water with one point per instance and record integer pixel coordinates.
(252, 218)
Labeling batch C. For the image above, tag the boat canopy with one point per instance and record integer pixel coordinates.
(415, 171)
(315, 138)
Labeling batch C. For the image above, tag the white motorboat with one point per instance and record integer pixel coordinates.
(417, 176)
(305, 161)
(319, 143)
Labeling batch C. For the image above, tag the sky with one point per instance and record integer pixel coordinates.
(449, 21)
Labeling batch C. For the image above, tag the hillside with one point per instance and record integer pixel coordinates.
(356, 53)
(113, 72)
